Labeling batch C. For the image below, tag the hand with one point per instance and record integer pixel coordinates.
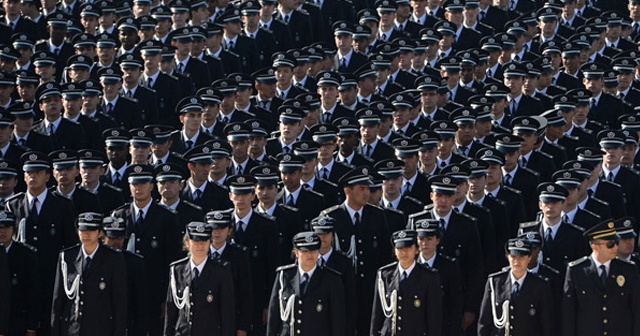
(264, 317)
(467, 319)
(241, 333)
(30, 333)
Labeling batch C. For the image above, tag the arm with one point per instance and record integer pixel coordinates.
(58, 300)
(119, 294)
(485, 320)
(274, 322)
(377, 316)
(244, 289)
(5, 292)
(33, 283)
(171, 312)
(569, 306)
(434, 307)
(547, 311)
(227, 302)
(338, 309)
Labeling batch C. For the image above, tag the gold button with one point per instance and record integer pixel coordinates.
(604, 308)
(605, 321)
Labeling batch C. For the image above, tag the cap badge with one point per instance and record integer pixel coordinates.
(137, 169)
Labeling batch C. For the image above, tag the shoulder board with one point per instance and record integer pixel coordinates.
(150, 89)
(502, 271)
(315, 193)
(111, 186)
(302, 11)
(557, 146)
(553, 270)
(220, 262)
(133, 254)
(123, 207)
(468, 216)
(163, 206)
(577, 262)
(267, 30)
(631, 262)
(172, 77)
(571, 137)
(342, 253)
(86, 189)
(597, 123)
(31, 248)
(192, 205)
(327, 210)
(179, 261)
(418, 214)
(332, 270)
(595, 199)
(414, 200)
(14, 196)
(534, 98)
(612, 183)
(592, 213)
(242, 247)
(479, 207)
(546, 154)
(282, 268)
(530, 171)
(373, 206)
(394, 210)
(446, 257)
(577, 227)
(71, 247)
(426, 267)
(331, 183)
(59, 194)
(233, 53)
(265, 216)
(129, 99)
(513, 190)
(539, 276)
(585, 130)
(289, 208)
(388, 266)
(499, 201)
(368, 159)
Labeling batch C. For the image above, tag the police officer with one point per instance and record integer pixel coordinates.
(407, 297)
(200, 299)
(90, 293)
(238, 259)
(92, 166)
(137, 307)
(307, 299)
(24, 278)
(516, 302)
(601, 292)
(65, 171)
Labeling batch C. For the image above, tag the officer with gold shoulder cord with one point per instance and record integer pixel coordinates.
(407, 299)
(307, 299)
(516, 302)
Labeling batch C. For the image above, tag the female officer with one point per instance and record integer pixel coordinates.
(306, 299)
(407, 299)
(200, 299)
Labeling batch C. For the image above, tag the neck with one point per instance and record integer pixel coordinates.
(198, 259)
(66, 189)
(91, 185)
(406, 264)
(266, 205)
(142, 203)
(36, 191)
(517, 274)
(352, 205)
(90, 247)
(171, 200)
(600, 258)
(242, 212)
(426, 255)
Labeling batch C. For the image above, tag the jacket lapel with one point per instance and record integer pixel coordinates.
(77, 263)
(592, 273)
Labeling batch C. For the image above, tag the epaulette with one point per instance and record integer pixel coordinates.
(540, 276)
(70, 247)
(332, 270)
(469, 217)
(446, 257)
(290, 208)
(131, 253)
(500, 272)
(577, 227)
(418, 214)
(331, 183)
(81, 187)
(592, 213)
(150, 89)
(574, 138)
(268, 30)
(30, 247)
(430, 269)
(546, 154)
(192, 205)
(302, 11)
(579, 261)
(123, 207)
(414, 200)
(14, 196)
(388, 266)
(327, 210)
(179, 155)
(586, 130)
(260, 214)
(173, 77)
(556, 145)
(179, 261)
(512, 189)
(635, 171)
(553, 270)
(398, 211)
(595, 199)
(499, 201)
(242, 247)
(316, 193)
(597, 123)
(164, 206)
(479, 207)
(111, 186)
(130, 99)
(368, 159)
(233, 53)
(530, 171)
(285, 267)
(342, 253)
(57, 193)
(613, 183)
(220, 262)
(535, 98)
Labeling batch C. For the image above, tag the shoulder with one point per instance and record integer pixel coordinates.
(466, 217)
(122, 208)
(597, 200)
(447, 258)
(578, 262)
(23, 246)
(16, 197)
(286, 267)
(73, 248)
(389, 267)
(289, 208)
(331, 209)
(180, 261)
(578, 228)
(610, 184)
(549, 268)
(331, 270)
(219, 262)
(264, 217)
(314, 193)
(426, 269)
(545, 155)
(511, 190)
(237, 247)
(191, 205)
(84, 189)
(164, 207)
(529, 171)
(502, 272)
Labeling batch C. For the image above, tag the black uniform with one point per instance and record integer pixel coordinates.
(84, 200)
(215, 197)
(451, 288)
(343, 265)
(288, 223)
(36, 142)
(568, 244)
(5, 290)
(320, 310)
(238, 259)
(585, 299)
(25, 281)
(418, 309)
(68, 134)
(99, 304)
(210, 305)
(167, 96)
(309, 204)
(529, 313)
(111, 197)
(125, 112)
(138, 294)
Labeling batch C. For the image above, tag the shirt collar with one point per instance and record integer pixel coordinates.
(92, 255)
(200, 267)
(408, 270)
(309, 272)
(145, 210)
(427, 262)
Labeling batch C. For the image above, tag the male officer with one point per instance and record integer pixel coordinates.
(90, 291)
(601, 292)
(152, 232)
(190, 111)
(515, 299)
(65, 133)
(24, 278)
(308, 150)
(170, 178)
(258, 233)
(65, 171)
(45, 221)
(328, 167)
(362, 233)
(137, 297)
(305, 296)
(309, 203)
(611, 143)
(91, 164)
(198, 190)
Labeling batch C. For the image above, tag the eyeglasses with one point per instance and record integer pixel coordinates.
(610, 244)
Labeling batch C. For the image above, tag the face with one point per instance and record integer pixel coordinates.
(514, 84)
(6, 235)
(198, 248)
(141, 192)
(256, 146)
(410, 165)
(284, 75)
(428, 157)
(325, 152)
(117, 155)
(464, 134)
(328, 95)
(36, 179)
(191, 120)
(593, 84)
(88, 237)
(518, 263)
(357, 195)
(343, 42)
(628, 154)
(428, 244)
(7, 185)
(51, 106)
(291, 180)
(529, 141)
(219, 236)
(66, 177)
(306, 259)
(5, 134)
(369, 133)
(442, 203)
(348, 97)
(391, 187)
(445, 146)
(406, 255)
(551, 210)
(625, 247)
(90, 175)
(347, 143)
(612, 156)
(511, 160)
(289, 131)
(114, 242)
(400, 117)
(600, 247)
(267, 193)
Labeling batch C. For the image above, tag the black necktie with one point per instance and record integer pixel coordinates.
(523, 162)
(356, 219)
(197, 195)
(304, 283)
(590, 192)
(443, 224)
(196, 274)
(514, 291)
(216, 255)
(239, 231)
(33, 213)
(548, 241)
(507, 179)
(109, 108)
(403, 279)
(290, 201)
(140, 219)
(188, 144)
(610, 177)
(603, 275)
(22, 142)
(116, 178)
(87, 264)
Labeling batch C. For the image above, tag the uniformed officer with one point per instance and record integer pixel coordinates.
(516, 302)
(170, 179)
(23, 275)
(407, 299)
(137, 307)
(92, 167)
(429, 234)
(65, 171)
(601, 292)
(307, 299)
(323, 226)
(238, 259)
(90, 293)
(200, 299)
(626, 230)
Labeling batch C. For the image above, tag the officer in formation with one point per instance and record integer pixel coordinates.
(525, 95)
(200, 299)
